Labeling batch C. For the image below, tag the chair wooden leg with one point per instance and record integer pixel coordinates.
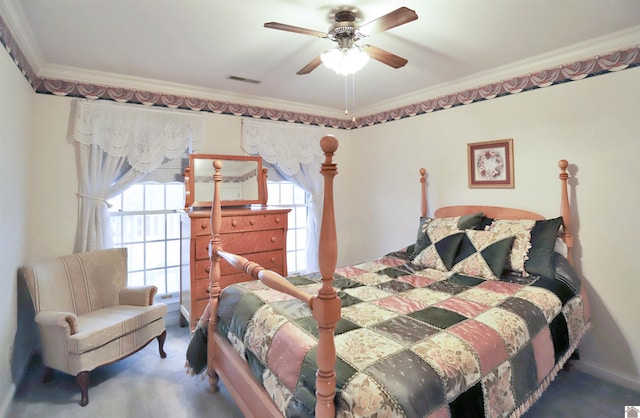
(83, 382)
(47, 375)
(161, 339)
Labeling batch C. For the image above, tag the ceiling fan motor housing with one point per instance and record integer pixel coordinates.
(344, 31)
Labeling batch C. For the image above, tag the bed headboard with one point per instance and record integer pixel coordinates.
(497, 212)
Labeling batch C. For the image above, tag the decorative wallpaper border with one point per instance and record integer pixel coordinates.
(597, 65)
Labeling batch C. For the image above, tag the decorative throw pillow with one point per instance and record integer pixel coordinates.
(482, 254)
(532, 251)
(440, 227)
(543, 239)
(521, 230)
(440, 253)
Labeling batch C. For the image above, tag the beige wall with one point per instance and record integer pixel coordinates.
(593, 123)
(16, 113)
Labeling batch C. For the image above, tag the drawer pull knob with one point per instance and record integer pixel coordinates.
(273, 239)
(207, 270)
(203, 225)
(251, 222)
(273, 259)
(234, 223)
(278, 220)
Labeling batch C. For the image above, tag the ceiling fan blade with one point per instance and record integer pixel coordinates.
(312, 65)
(398, 17)
(385, 57)
(296, 29)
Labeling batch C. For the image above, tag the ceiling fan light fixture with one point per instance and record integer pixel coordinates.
(345, 61)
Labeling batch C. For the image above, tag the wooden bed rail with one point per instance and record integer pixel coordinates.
(269, 278)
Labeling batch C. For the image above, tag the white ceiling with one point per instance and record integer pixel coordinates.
(195, 45)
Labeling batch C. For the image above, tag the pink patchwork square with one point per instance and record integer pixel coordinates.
(399, 304)
(500, 287)
(349, 271)
(415, 280)
(287, 352)
(468, 308)
(543, 352)
(485, 341)
(391, 261)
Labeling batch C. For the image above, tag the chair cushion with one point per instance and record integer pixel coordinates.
(104, 325)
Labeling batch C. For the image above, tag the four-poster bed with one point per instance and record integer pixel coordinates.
(431, 330)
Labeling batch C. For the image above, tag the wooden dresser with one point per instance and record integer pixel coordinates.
(257, 233)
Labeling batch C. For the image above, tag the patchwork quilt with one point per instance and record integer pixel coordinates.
(413, 341)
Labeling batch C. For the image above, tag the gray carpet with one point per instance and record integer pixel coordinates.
(144, 385)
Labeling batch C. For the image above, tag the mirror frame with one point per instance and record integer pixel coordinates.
(189, 175)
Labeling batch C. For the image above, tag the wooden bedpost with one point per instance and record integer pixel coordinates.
(326, 305)
(423, 189)
(565, 209)
(214, 273)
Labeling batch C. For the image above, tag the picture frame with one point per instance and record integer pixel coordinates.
(490, 164)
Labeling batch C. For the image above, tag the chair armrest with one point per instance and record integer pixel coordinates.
(66, 321)
(138, 295)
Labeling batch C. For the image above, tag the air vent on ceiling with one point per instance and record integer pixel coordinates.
(243, 79)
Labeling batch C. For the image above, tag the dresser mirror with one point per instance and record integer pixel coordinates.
(243, 180)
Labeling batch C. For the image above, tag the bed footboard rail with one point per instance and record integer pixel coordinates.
(269, 278)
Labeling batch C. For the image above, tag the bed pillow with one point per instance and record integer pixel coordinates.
(483, 254)
(533, 246)
(441, 251)
(521, 231)
(440, 227)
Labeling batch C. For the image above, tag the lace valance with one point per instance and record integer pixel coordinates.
(145, 136)
(283, 144)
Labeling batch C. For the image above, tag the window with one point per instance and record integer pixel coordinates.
(145, 221)
(291, 196)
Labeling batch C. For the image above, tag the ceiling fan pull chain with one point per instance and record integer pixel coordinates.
(346, 96)
(353, 94)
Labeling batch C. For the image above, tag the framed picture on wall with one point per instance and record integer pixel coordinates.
(491, 164)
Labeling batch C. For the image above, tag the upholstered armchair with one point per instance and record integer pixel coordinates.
(86, 314)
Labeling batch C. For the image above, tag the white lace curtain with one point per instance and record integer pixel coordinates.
(294, 152)
(108, 135)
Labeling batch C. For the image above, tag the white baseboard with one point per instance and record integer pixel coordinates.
(6, 402)
(609, 375)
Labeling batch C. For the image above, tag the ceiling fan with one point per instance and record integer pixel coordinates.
(346, 32)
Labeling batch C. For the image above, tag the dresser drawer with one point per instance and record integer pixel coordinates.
(201, 249)
(201, 226)
(198, 308)
(200, 289)
(252, 222)
(251, 242)
(202, 269)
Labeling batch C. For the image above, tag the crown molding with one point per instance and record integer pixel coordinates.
(622, 51)
(57, 72)
(24, 37)
(628, 38)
